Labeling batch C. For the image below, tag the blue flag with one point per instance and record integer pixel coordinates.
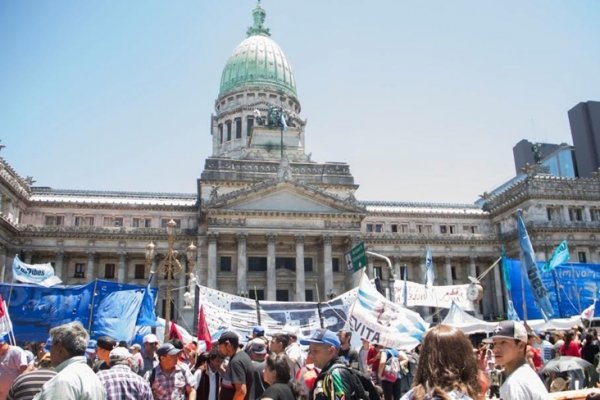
(147, 315)
(559, 256)
(116, 314)
(429, 271)
(540, 294)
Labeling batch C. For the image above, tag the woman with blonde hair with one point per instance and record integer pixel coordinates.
(447, 369)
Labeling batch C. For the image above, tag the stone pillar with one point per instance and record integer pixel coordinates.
(396, 268)
(181, 278)
(587, 217)
(59, 264)
(242, 267)
(300, 287)
(327, 266)
(449, 280)
(211, 280)
(122, 271)
(271, 275)
(565, 212)
(91, 265)
(473, 273)
(356, 276)
(370, 268)
(10, 257)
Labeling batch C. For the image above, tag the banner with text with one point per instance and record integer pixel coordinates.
(38, 274)
(434, 296)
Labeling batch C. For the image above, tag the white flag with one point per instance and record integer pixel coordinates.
(378, 320)
(38, 274)
(5, 323)
(588, 313)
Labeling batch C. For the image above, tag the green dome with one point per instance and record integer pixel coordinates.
(258, 61)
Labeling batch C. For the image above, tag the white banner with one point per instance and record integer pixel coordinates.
(225, 311)
(38, 274)
(380, 321)
(434, 296)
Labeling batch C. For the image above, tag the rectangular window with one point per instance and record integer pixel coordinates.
(549, 213)
(335, 264)
(141, 222)
(419, 228)
(225, 264)
(221, 133)
(308, 264)
(165, 221)
(257, 264)
(451, 229)
(377, 272)
(54, 220)
(378, 228)
(443, 229)
(308, 295)
(369, 227)
(285, 263)
(282, 295)
(109, 271)
(238, 128)
(453, 270)
(394, 228)
(582, 256)
(404, 228)
(403, 270)
(258, 294)
(595, 215)
(79, 271)
(84, 221)
(228, 125)
(113, 221)
(575, 214)
(140, 271)
(249, 125)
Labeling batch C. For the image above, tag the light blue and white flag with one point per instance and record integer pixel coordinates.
(540, 294)
(38, 274)
(378, 320)
(560, 255)
(283, 123)
(405, 295)
(429, 271)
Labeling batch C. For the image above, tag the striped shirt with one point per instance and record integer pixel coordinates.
(26, 386)
(121, 383)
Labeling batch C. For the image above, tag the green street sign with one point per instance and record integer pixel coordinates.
(356, 259)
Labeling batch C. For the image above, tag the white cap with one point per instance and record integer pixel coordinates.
(150, 338)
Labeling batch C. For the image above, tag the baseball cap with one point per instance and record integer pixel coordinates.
(136, 346)
(119, 354)
(322, 336)
(257, 346)
(167, 349)
(258, 331)
(230, 337)
(150, 338)
(508, 330)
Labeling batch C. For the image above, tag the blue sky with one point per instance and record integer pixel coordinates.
(423, 99)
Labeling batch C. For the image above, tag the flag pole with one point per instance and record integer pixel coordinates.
(257, 306)
(92, 307)
(321, 322)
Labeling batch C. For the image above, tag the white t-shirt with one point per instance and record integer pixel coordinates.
(523, 384)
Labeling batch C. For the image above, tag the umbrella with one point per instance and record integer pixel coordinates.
(566, 363)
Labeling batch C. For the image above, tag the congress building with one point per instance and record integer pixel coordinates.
(268, 221)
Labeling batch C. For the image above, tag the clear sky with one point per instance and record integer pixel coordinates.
(423, 99)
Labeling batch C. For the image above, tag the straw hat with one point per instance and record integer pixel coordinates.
(558, 385)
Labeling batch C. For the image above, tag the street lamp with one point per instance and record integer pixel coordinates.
(170, 266)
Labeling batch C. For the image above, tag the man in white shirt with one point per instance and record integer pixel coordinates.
(509, 342)
(74, 380)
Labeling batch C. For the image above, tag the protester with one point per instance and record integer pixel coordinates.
(293, 350)
(137, 360)
(522, 383)
(363, 353)
(279, 343)
(335, 382)
(209, 384)
(257, 352)
(348, 355)
(104, 345)
(571, 345)
(236, 383)
(169, 380)
(277, 375)
(13, 362)
(120, 381)
(447, 368)
(74, 380)
(199, 368)
(28, 384)
(149, 358)
(391, 385)
(534, 354)
(306, 378)
(40, 353)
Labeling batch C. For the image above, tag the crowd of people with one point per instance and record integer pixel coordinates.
(287, 366)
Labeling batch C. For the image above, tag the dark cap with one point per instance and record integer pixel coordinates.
(230, 337)
(508, 330)
(258, 331)
(167, 349)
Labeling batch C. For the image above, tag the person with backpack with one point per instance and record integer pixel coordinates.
(335, 381)
(389, 373)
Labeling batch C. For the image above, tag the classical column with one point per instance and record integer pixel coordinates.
(271, 275)
(565, 212)
(242, 267)
(327, 266)
(211, 280)
(122, 271)
(473, 273)
(91, 264)
(370, 269)
(300, 289)
(59, 264)
(587, 217)
(358, 274)
(448, 267)
(396, 268)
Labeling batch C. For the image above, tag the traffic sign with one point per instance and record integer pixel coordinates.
(356, 259)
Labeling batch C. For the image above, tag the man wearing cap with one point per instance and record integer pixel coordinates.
(120, 381)
(169, 380)
(149, 359)
(509, 341)
(237, 381)
(335, 382)
(136, 358)
(257, 350)
(13, 362)
(104, 345)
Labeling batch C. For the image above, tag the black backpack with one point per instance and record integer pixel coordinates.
(364, 387)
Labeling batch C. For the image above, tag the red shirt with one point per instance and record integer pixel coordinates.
(572, 350)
